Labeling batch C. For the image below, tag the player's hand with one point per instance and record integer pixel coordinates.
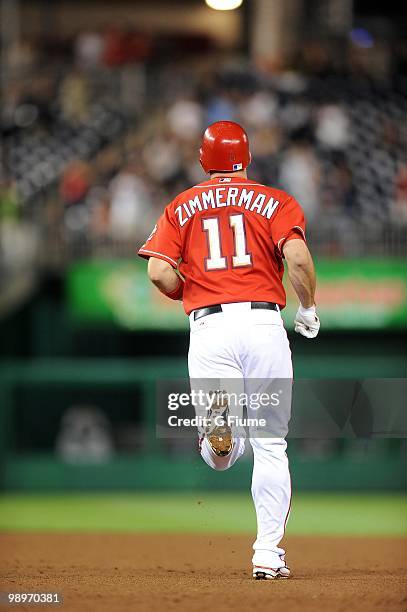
(306, 322)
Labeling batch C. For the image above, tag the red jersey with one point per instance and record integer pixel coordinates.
(225, 236)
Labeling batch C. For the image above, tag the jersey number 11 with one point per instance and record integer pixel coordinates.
(216, 260)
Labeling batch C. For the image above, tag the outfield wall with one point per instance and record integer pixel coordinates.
(35, 395)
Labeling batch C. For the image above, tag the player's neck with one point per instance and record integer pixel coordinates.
(239, 173)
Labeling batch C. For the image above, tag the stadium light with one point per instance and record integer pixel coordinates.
(224, 5)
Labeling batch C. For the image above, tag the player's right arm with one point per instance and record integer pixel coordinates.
(164, 277)
(163, 251)
(301, 272)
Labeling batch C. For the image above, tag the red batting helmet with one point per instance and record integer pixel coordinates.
(225, 148)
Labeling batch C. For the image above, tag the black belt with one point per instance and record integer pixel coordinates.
(208, 310)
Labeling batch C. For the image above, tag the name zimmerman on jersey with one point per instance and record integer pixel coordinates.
(218, 197)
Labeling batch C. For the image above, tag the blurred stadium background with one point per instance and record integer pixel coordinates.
(103, 106)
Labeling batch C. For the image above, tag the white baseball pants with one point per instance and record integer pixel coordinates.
(233, 347)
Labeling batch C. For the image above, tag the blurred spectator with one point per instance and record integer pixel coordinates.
(162, 158)
(220, 108)
(185, 119)
(18, 238)
(130, 210)
(74, 98)
(332, 129)
(295, 114)
(114, 50)
(339, 192)
(125, 46)
(98, 201)
(89, 49)
(300, 174)
(258, 110)
(107, 164)
(75, 183)
(138, 45)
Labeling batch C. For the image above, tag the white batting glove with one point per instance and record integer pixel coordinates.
(306, 322)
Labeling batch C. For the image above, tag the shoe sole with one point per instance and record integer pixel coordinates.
(221, 441)
(277, 575)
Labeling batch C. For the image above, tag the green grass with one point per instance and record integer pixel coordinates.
(329, 514)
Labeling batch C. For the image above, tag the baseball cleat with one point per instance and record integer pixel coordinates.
(219, 432)
(270, 573)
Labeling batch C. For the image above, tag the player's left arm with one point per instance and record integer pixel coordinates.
(301, 270)
(302, 276)
(165, 278)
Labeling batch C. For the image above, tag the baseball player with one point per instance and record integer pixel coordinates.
(219, 247)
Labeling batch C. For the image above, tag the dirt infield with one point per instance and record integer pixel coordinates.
(182, 572)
